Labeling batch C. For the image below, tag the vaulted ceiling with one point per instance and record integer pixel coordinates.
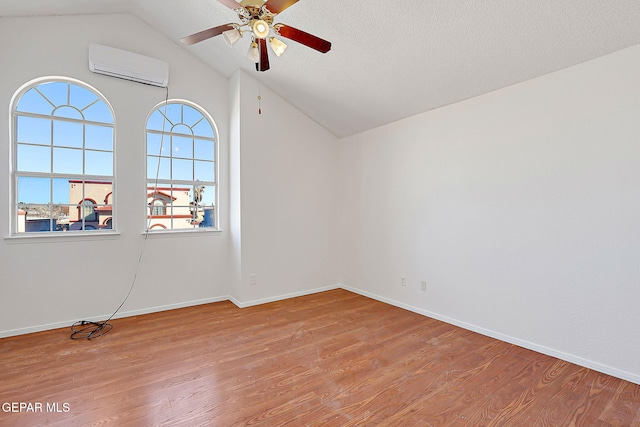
(390, 59)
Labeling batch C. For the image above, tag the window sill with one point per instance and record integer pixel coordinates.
(60, 236)
(182, 233)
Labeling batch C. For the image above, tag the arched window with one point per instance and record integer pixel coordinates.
(63, 151)
(181, 166)
(87, 210)
(158, 207)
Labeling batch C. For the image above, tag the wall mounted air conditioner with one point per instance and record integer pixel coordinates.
(128, 65)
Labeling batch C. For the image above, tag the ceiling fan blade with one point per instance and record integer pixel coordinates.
(206, 34)
(263, 65)
(304, 38)
(277, 6)
(231, 4)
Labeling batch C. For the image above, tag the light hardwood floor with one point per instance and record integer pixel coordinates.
(328, 359)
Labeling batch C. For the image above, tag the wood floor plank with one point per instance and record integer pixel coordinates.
(329, 359)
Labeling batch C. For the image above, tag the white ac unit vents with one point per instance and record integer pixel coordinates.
(128, 65)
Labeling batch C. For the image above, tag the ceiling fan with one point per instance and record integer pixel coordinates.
(256, 18)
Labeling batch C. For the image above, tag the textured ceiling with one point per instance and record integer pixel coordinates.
(391, 60)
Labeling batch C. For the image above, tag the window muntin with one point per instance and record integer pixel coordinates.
(181, 168)
(63, 155)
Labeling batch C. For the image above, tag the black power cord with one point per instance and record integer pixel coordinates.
(89, 330)
(85, 329)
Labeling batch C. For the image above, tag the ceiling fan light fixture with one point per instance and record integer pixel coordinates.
(278, 46)
(260, 28)
(232, 36)
(253, 55)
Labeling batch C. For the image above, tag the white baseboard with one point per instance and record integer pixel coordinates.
(245, 304)
(627, 376)
(68, 323)
(240, 304)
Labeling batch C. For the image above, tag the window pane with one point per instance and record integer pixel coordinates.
(204, 215)
(66, 160)
(61, 191)
(33, 130)
(80, 225)
(98, 163)
(88, 211)
(157, 120)
(68, 112)
(204, 129)
(67, 134)
(60, 214)
(99, 137)
(33, 102)
(208, 196)
(163, 172)
(182, 147)
(191, 115)
(55, 92)
(158, 207)
(107, 224)
(173, 113)
(157, 144)
(34, 190)
(182, 198)
(98, 112)
(182, 129)
(37, 218)
(204, 171)
(32, 158)
(81, 97)
(76, 191)
(157, 195)
(98, 191)
(182, 169)
(204, 149)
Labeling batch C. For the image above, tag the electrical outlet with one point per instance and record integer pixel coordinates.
(423, 286)
(252, 279)
(403, 281)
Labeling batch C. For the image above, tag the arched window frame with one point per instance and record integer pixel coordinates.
(107, 223)
(87, 210)
(158, 207)
(79, 147)
(182, 136)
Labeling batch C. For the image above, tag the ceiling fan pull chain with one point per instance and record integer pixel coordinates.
(259, 98)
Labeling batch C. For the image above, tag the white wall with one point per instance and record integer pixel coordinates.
(519, 208)
(36, 290)
(289, 194)
(279, 190)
